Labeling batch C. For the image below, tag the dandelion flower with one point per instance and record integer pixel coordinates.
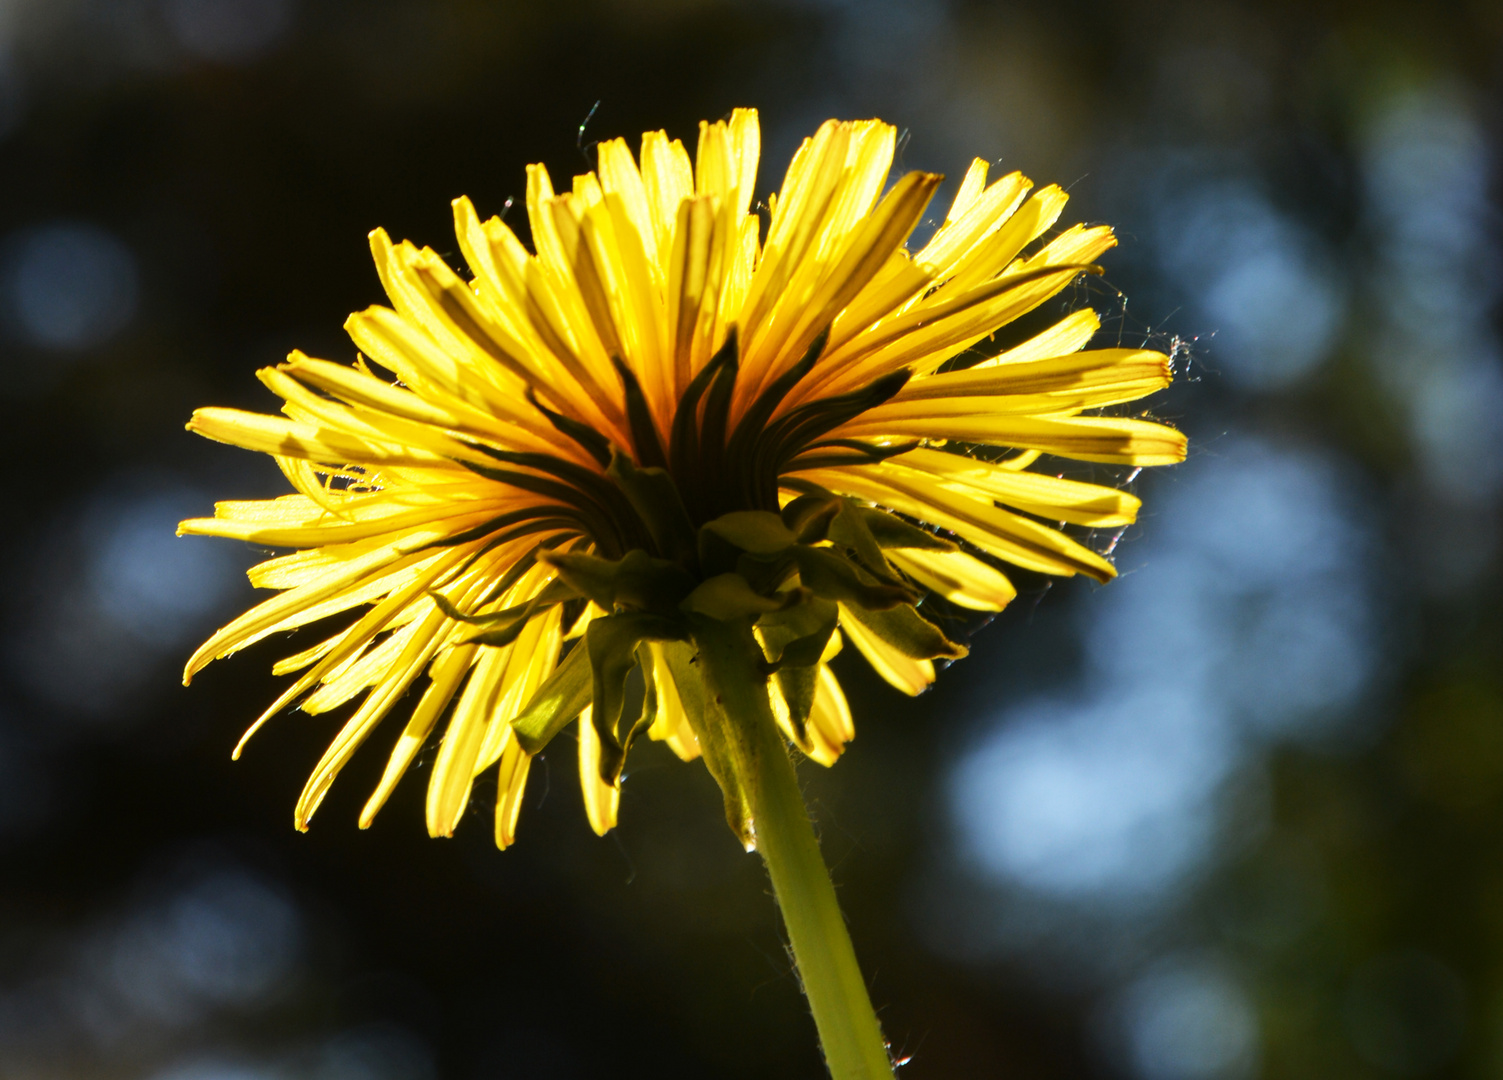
(681, 436)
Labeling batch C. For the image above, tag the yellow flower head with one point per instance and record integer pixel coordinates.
(533, 481)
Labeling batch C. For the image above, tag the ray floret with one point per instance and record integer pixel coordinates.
(538, 474)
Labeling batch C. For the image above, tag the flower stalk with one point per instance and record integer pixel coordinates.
(848, 1030)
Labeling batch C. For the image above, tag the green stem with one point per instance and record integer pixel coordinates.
(848, 1029)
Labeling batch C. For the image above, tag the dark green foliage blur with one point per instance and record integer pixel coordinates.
(187, 189)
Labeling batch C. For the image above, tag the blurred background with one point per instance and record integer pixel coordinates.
(1237, 815)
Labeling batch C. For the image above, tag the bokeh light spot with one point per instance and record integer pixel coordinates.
(69, 285)
(229, 31)
(1187, 1020)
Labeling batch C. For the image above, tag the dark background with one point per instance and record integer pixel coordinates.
(1238, 814)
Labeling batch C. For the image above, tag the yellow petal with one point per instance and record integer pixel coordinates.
(620, 177)
(695, 271)
(447, 673)
(357, 388)
(511, 783)
(1008, 536)
(359, 672)
(559, 316)
(453, 316)
(830, 724)
(670, 724)
(903, 672)
(496, 258)
(1068, 335)
(268, 615)
(376, 705)
(826, 226)
(1048, 497)
(870, 245)
(396, 609)
(1110, 372)
(960, 578)
(886, 294)
(970, 189)
(1108, 439)
(746, 151)
(533, 658)
(811, 192)
(632, 300)
(667, 179)
(437, 523)
(981, 217)
(276, 435)
(923, 337)
(991, 257)
(454, 768)
(602, 801)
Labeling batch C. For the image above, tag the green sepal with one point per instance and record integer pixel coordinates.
(794, 640)
(910, 633)
(827, 574)
(501, 585)
(892, 531)
(527, 520)
(789, 435)
(796, 429)
(644, 433)
(766, 576)
(593, 520)
(595, 497)
(561, 698)
(612, 644)
(729, 596)
(849, 529)
(809, 516)
(647, 584)
(589, 575)
(683, 443)
(717, 555)
(797, 634)
(502, 627)
(754, 420)
(710, 468)
(636, 580)
(649, 700)
(596, 444)
(822, 515)
(838, 453)
(565, 492)
(725, 755)
(654, 496)
(742, 450)
(758, 532)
